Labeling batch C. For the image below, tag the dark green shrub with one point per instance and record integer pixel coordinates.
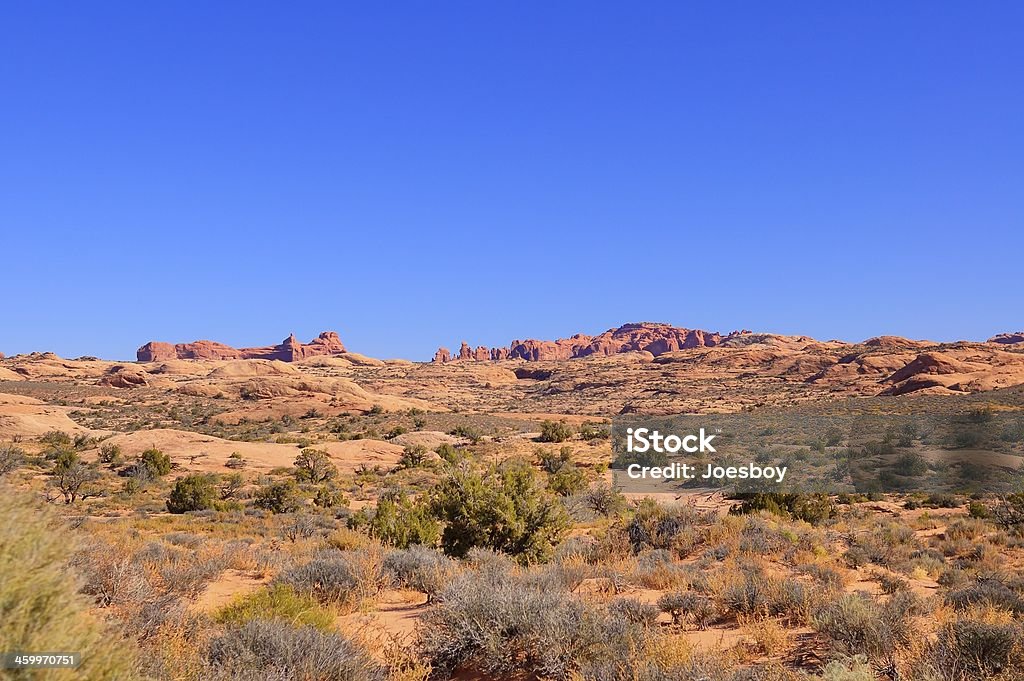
(192, 493)
(315, 466)
(156, 463)
(811, 508)
(555, 431)
(401, 522)
(278, 497)
(329, 496)
(505, 510)
(413, 456)
(568, 480)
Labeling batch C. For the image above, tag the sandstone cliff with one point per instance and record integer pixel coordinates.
(656, 339)
(289, 350)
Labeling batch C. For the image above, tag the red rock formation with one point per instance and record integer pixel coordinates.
(1008, 338)
(289, 350)
(929, 363)
(442, 355)
(657, 339)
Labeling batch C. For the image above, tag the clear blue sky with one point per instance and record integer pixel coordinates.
(417, 173)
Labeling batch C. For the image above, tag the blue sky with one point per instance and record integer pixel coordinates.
(413, 174)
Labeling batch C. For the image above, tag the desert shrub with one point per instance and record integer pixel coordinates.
(1009, 512)
(421, 568)
(752, 591)
(634, 611)
(235, 460)
(276, 602)
(506, 510)
(71, 475)
(314, 465)
(401, 522)
(979, 510)
(910, 464)
(40, 607)
(602, 498)
(471, 433)
(942, 500)
(550, 460)
(503, 625)
(413, 456)
(892, 583)
(156, 463)
(673, 528)
(192, 493)
(56, 439)
(854, 668)
(965, 528)
(338, 577)
(760, 538)
(329, 496)
(304, 526)
(682, 605)
(974, 649)
(267, 649)
(657, 570)
(593, 431)
(190, 576)
(555, 431)
(811, 508)
(986, 590)
(278, 497)
(111, 454)
(859, 625)
(110, 577)
(10, 458)
(568, 480)
(447, 452)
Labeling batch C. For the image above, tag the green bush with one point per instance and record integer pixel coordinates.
(413, 456)
(550, 461)
(314, 465)
(568, 480)
(506, 510)
(156, 463)
(555, 431)
(811, 508)
(278, 497)
(401, 523)
(40, 607)
(192, 493)
(276, 602)
(330, 496)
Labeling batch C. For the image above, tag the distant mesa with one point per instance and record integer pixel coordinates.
(654, 338)
(1008, 338)
(289, 350)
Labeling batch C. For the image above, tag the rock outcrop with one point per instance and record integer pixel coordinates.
(289, 350)
(657, 339)
(1008, 338)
